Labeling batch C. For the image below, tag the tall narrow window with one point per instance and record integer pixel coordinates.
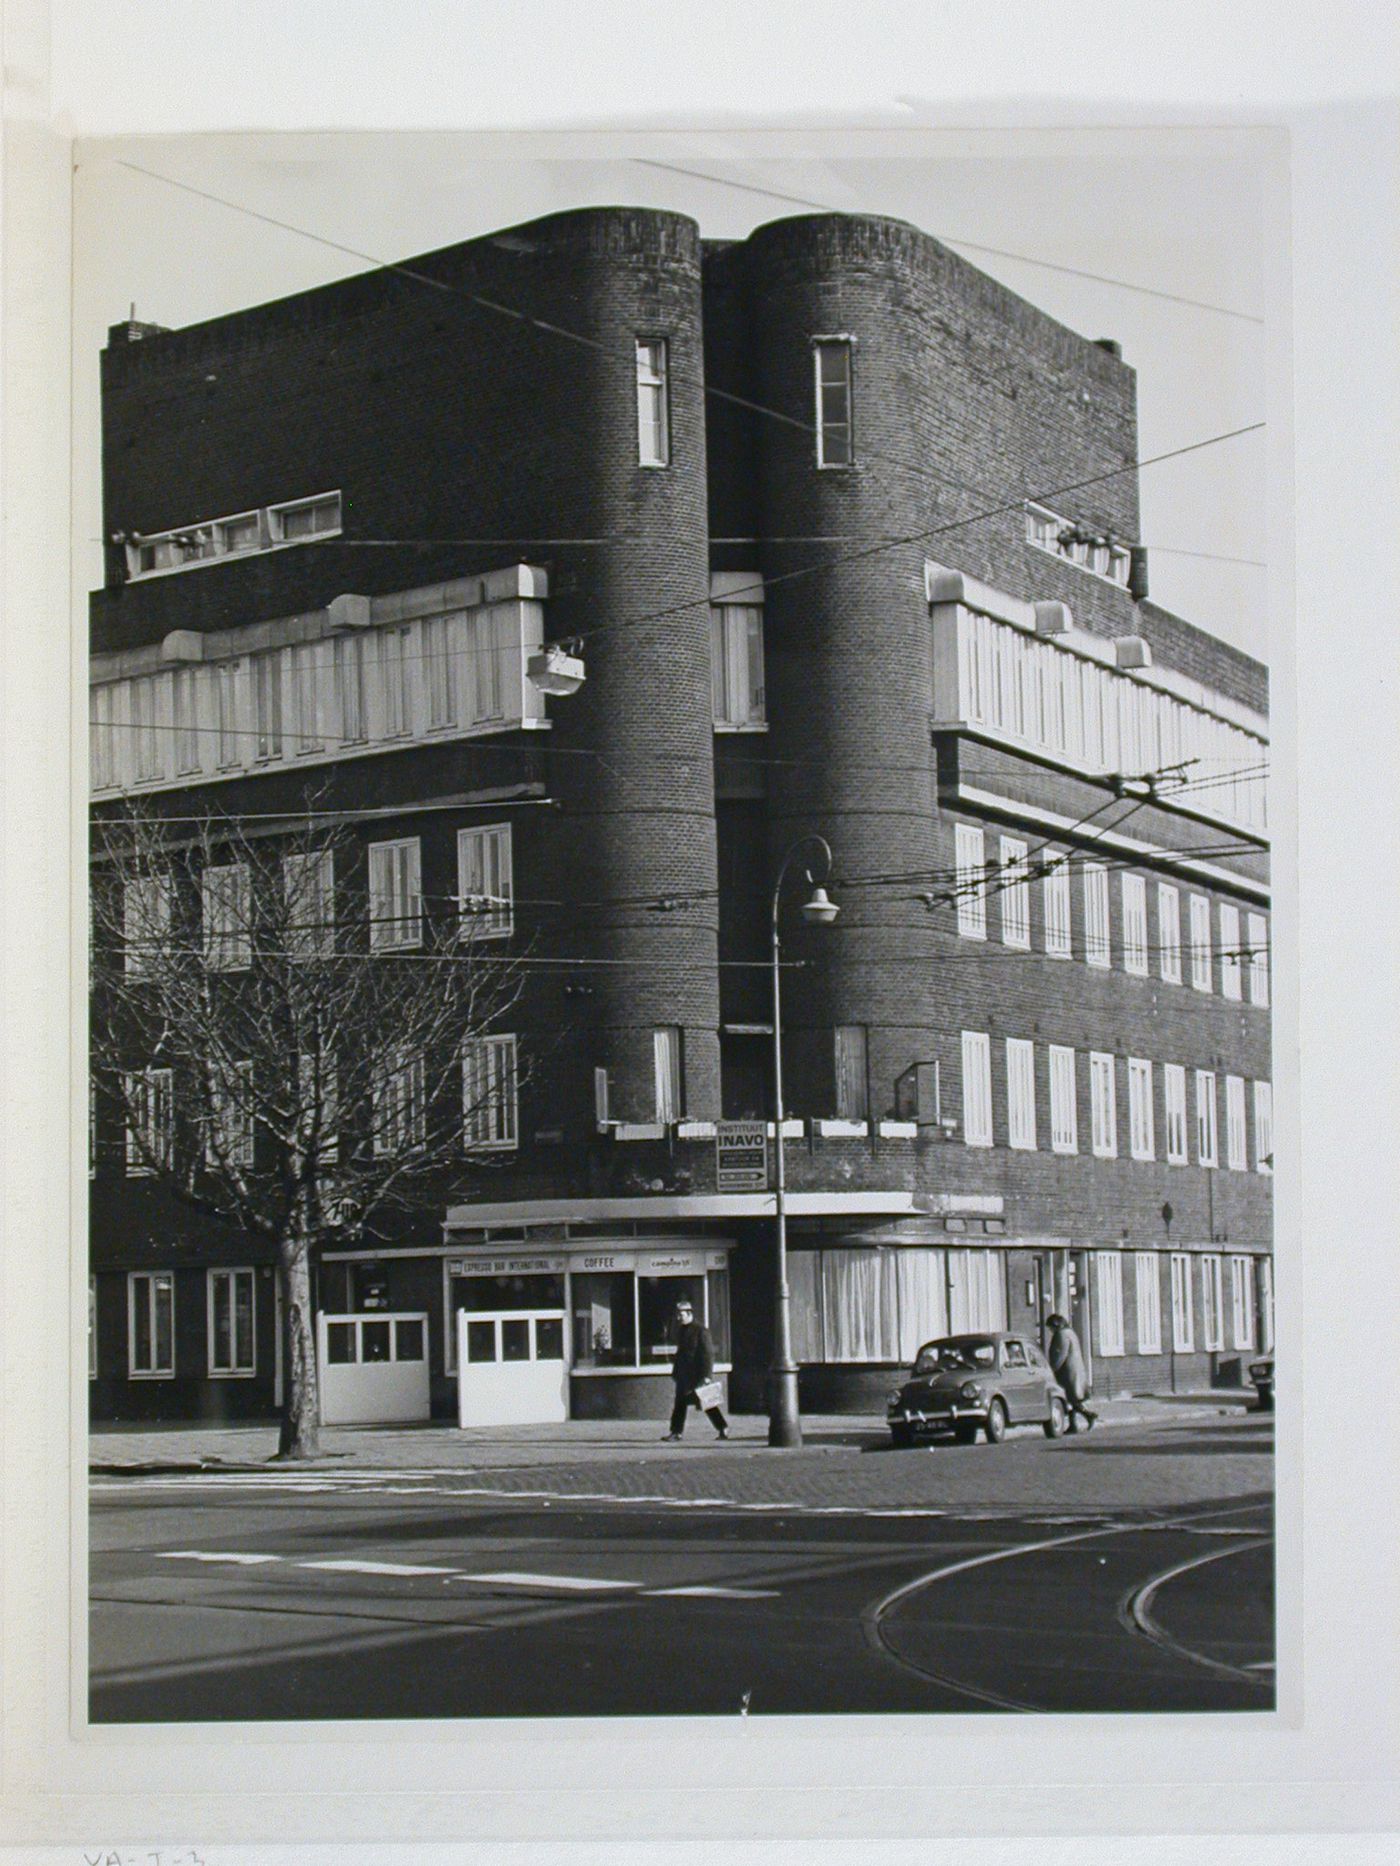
(1142, 1142)
(1231, 957)
(267, 703)
(1263, 1127)
(228, 918)
(1242, 1301)
(653, 415)
(485, 885)
(1108, 1265)
(1212, 1306)
(228, 678)
(1236, 1139)
(1266, 1304)
(1169, 933)
(229, 1140)
(1103, 1105)
(146, 901)
(395, 895)
(184, 700)
(1096, 936)
(1149, 1303)
(398, 1103)
(395, 676)
(144, 731)
(489, 1115)
(852, 1092)
(150, 1314)
(103, 736)
(150, 1120)
(1020, 1094)
(1015, 891)
(1064, 1114)
(1258, 959)
(350, 688)
(1174, 1097)
(306, 696)
(231, 1319)
(1183, 1304)
(736, 664)
(666, 1056)
(308, 888)
(832, 358)
(977, 1088)
(1056, 892)
(1135, 925)
(1207, 1149)
(971, 886)
(438, 663)
(1200, 943)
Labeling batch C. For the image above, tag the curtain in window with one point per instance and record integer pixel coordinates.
(920, 1278)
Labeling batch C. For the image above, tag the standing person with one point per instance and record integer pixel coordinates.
(693, 1367)
(1066, 1359)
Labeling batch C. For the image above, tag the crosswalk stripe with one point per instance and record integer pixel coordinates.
(717, 1593)
(213, 1555)
(376, 1567)
(583, 1583)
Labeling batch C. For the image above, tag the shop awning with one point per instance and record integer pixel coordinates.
(687, 1206)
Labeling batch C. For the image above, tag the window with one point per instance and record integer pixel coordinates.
(1064, 1117)
(1231, 957)
(1149, 1304)
(395, 675)
(230, 1303)
(832, 358)
(267, 703)
(145, 922)
(653, 415)
(1206, 1147)
(1258, 959)
(1135, 925)
(395, 895)
(1242, 1301)
(228, 928)
(438, 670)
(1266, 1304)
(150, 1119)
(977, 1088)
(145, 736)
(736, 664)
(1263, 1127)
(102, 737)
(308, 885)
(306, 696)
(971, 887)
(1056, 889)
(1103, 1105)
(1096, 942)
(1015, 894)
(1142, 1141)
(220, 538)
(1093, 550)
(150, 1319)
(1183, 1326)
(229, 1142)
(227, 680)
(852, 1091)
(318, 1097)
(489, 1114)
(485, 883)
(1174, 1093)
(1200, 943)
(1212, 1306)
(666, 1057)
(184, 703)
(1236, 1140)
(1020, 1094)
(307, 518)
(1169, 933)
(350, 688)
(398, 1103)
(1109, 1265)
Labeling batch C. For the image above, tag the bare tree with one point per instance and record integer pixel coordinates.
(293, 1049)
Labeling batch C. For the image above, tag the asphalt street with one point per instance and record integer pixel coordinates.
(879, 1582)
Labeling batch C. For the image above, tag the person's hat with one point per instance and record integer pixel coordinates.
(1056, 1321)
(684, 1304)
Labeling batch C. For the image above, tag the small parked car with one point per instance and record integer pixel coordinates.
(966, 1384)
(1261, 1374)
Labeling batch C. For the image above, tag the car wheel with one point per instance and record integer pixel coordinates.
(995, 1427)
(965, 1434)
(902, 1437)
(1056, 1424)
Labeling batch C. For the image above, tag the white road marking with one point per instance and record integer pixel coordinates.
(582, 1583)
(212, 1555)
(375, 1567)
(717, 1593)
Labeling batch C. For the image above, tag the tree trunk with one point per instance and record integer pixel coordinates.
(300, 1435)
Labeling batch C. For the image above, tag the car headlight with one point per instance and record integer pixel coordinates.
(895, 1399)
(970, 1390)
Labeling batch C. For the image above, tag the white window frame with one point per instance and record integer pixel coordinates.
(226, 911)
(1201, 948)
(1103, 1104)
(217, 540)
(145, 1286)
(230, 1141)
(1064, 1100)
(308, 883)
(668, 1072)
(1212, 1305)
(1108, 1315)
(1263, 1127)
(1183, 1304)
(277, 516)
(1148, 1294)
(1059, 939)
(1258, 939)
(1142, 1138)
(970, 858)
(229, 1278)
(738, 700)
(486, 880)
(1020, 1094)
(1242, 1303)
(1236, 1135)
(1134, 904)
(1098, 931)
(1178, 1136)
(395, 882)
(146, 913)
(398, 1104)
(976, 1088)
(1015, 890)
(1207, 1126)
(1169, 933)
(150, 1096)
(1231, 955)
(845, 382)
(490, 1098)
(653, 401)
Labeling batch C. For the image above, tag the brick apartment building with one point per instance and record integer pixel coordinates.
(791, 499)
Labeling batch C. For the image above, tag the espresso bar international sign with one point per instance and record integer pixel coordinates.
(741, 1156)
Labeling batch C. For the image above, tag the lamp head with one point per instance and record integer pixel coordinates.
(820, 911)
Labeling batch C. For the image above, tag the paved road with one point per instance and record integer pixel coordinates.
(254, 1596)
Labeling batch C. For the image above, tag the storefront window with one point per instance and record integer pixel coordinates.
(605, 1320)
(340, 1343)
(718, 1317)
(489, 1295)
(657, 1297)
(408, 1341)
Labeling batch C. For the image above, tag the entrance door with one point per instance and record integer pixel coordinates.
(511, 1368)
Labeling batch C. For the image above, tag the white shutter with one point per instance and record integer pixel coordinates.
(1264, 1127)
(1097, 947)
(1108, 1265)
(1141, 1137)
(1064, 1114)
(1020, 1093)
(1200, 943)
(1169, 933)
(1135, 925)
(1015, 894)
(1231, 962)
(971, 886)
(1174, 1093)
(1103, 1102)
(1149, 1303)
(977, 1088)
(1258, 959)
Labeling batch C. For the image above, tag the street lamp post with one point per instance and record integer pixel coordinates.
(784, 1417)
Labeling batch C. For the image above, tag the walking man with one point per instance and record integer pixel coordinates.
(693, 1372)
(1066, 1359)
